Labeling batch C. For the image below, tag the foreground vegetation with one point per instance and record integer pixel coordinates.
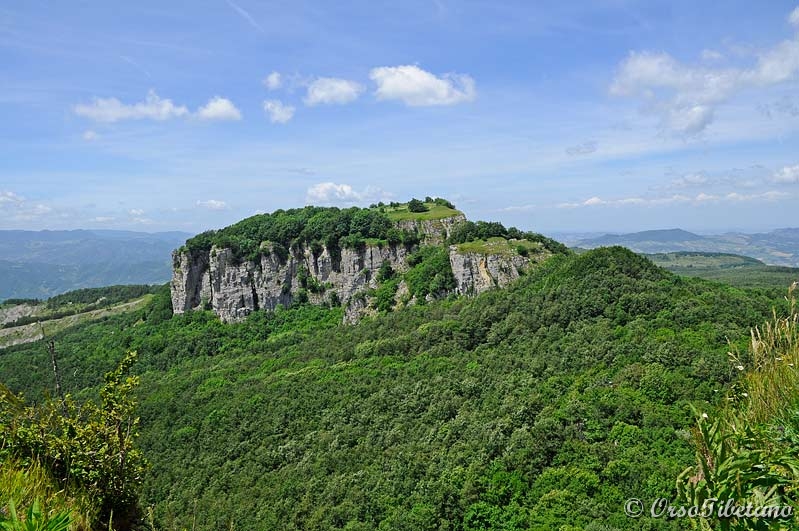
(748, 448)
(542, 406)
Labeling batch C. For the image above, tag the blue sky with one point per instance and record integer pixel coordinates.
(559, 116)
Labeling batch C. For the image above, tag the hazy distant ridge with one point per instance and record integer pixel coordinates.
(778, 247)
(39, 264)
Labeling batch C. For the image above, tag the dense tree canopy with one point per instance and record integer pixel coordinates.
(542, 406)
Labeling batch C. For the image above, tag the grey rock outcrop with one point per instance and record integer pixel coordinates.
(435, 231)
(475, 273)
(233, 288)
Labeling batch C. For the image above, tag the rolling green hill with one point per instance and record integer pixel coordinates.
(737, 270)
(541, 406)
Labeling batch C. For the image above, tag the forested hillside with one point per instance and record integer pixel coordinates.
(541, 406)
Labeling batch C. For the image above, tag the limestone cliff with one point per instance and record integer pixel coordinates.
(435, 231)
(233, 288)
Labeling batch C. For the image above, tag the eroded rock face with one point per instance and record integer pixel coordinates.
(234, 289)
(475, 273)
(191, 281)
(435, 231)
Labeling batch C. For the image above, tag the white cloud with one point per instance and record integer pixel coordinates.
(246, 16)
(219, 108)
(7, 197)
(689, 180)
(676, 198)
(329, 192)
(113, 110)
(273, 81)
(212, 204)
(793, 18)
(788, 174)
(686, 96)
(332, 90)
(101, 219)
(136, 212)
(278, 112)
(416, 87)
(690, 120)
(702, 196)
(90, 135)
(711, 55)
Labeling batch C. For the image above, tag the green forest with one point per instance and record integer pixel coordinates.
(542, 406)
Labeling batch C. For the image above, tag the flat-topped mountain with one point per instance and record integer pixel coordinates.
(367, 259)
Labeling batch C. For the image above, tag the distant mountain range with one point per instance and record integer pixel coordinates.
(40, 264)
(778, 247)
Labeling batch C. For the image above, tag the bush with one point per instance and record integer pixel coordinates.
(89, 445)
(414, 205)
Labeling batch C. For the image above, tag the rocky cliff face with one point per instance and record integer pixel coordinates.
(435, 231)
(232, 289)
(475, 273)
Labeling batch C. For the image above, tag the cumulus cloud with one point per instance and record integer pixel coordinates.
(219, 108)
(89, 135)
(586, 148)
(686, 96)
(788, 174)
(330, 193)
(212, 204)
(113, 110)
(416, 87)
(136, 212)
(332, 90)
(278, 112)
(273, 81)
(153, 107)
(793, 18)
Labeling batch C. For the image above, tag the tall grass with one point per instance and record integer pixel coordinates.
(27, 490)
(748, 450)
(769, 391)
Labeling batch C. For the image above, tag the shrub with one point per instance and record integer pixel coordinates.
(414, 205)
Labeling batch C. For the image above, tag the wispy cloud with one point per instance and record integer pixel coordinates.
(109, 110)
(702, 197)
(135, 65)
(331, 193)
(212, 204)
(685, 96)
(586, 148)
(15, 207)
(113, 110)
(246, 16)
(787, 174)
